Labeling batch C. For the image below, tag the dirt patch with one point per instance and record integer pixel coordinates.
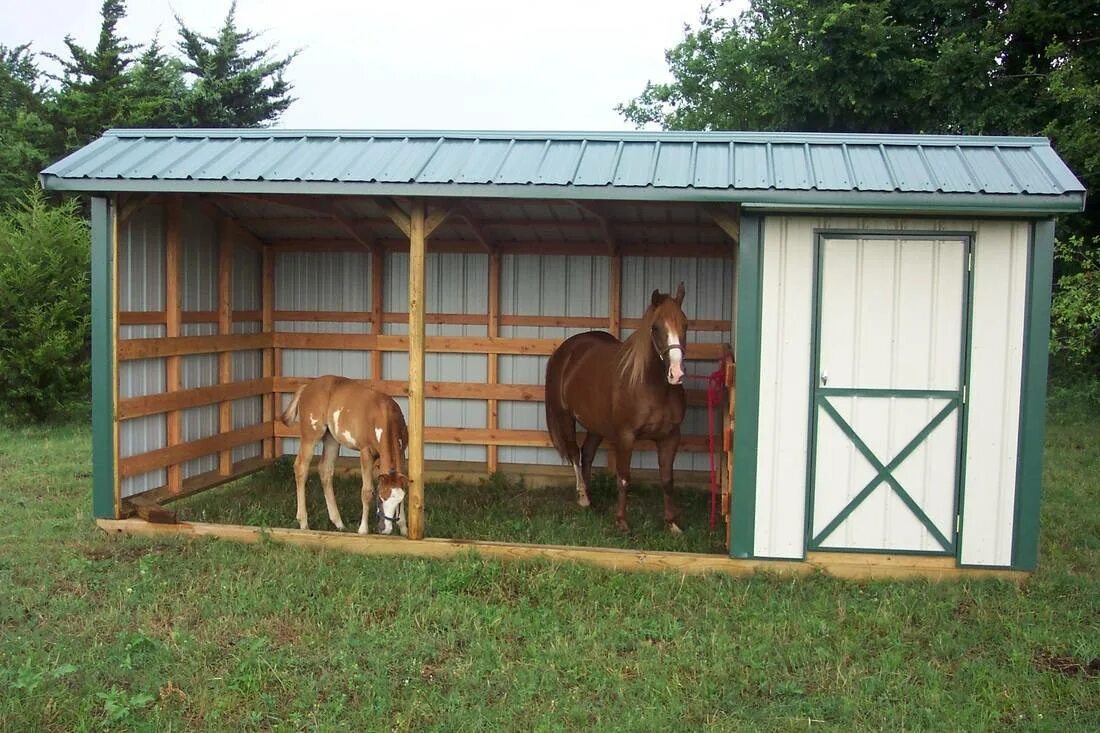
(964, 609)
(1068, 666)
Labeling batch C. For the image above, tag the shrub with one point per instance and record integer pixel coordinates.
(1075, 310)
(45, 326)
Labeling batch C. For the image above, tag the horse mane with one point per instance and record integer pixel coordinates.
(636, 350)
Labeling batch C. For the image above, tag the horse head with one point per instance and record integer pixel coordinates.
(392, 489)
(668, 331)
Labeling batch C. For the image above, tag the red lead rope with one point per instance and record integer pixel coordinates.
(716, 383)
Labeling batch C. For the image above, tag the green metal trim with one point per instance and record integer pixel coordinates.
(964, 408)
(1029, 454)
(815, 369)
(884, 473)
(885, 392)
(103, 378)
(882, 201)
(747, 410)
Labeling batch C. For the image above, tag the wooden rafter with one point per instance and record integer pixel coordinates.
(436, 216)
(728, 221)
(135, 204)
(605, 223)
(396, 214)
(235, 228)
(476, 227)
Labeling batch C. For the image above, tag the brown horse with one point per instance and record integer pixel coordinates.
(622, 391)
(348, 412)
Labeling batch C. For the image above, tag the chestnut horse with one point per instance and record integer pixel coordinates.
(621, 391)
(348, 412)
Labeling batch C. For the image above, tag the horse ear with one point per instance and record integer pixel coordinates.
(655, 299)
(679, 298)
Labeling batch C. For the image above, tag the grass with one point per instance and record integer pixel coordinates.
(114, 633)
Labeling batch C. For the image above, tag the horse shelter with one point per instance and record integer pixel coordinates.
(887, 299)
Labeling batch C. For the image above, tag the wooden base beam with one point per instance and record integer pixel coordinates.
(842, 565)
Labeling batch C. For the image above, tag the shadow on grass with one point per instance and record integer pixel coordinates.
(496, 509)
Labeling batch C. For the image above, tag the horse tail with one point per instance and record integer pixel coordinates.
(290, 414)
(557, 413)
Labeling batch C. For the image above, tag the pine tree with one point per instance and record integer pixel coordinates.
(232, 87)
(25, 132)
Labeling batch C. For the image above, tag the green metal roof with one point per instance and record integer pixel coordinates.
(795, 170)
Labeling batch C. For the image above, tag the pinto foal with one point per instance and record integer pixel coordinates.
(348, 412)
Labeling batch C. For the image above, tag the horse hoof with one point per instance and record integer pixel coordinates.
(675, 528)
(303, 525)
(582, 501)
(623, 526)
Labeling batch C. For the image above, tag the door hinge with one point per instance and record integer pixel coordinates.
(970, 262)
(958, 523)
(966, 393)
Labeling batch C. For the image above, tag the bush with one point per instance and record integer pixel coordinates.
(45, 325)
(1075, 310)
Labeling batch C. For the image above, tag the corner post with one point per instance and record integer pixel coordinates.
(105, 487)
(417, 256)
(1033, 398)
(747, 409)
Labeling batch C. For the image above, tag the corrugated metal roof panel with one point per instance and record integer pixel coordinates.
(836, 170)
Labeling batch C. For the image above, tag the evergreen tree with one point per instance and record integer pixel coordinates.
(157, 89)
(233, 87)
(25, 132)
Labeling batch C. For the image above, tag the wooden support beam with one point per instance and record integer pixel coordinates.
(417, 252)
(225, 328)
(160, 402)
(397, 215)
(182, 452)
(172, 307)
(436, 216)
(267, 308)
(493, 406)
(476, 228)
(134, 204)
(149, 510)
(604, 222)
(377, 302)
(615, 296)
(236, 229)
(729, 222)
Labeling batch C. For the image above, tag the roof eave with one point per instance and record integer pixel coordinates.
(963, 203)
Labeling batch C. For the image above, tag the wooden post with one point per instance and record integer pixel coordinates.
(494, 361)
(172, 318)
(377, 270)
(225, 327)
(417, 248)
(267, 309)
(615, 317)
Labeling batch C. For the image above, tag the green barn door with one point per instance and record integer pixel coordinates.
(886, 414)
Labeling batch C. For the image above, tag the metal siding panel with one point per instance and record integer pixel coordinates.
(1056, 168)
(712, 166)
(830, 170)
(750, 166)
(410, 159)
(996, 359)
(785, 345)
(448, 162)
(908, 168)
(522, 163)
(137, 436)
(1025, 168)
(483, 166)
(197, 423)
(635, 166)
(992, 176)
(141, 261)
(198, 263)
(560, 162)
(869, 168)
(247, 278)
(791, 167)
(299, 159)
(369, 162)
(950, 170)
(597, 164)
(673, 165)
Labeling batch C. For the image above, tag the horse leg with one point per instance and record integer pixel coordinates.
(584, 470)
(622, 475)
(366, 466)
(328, 466)
(666, 455)
(301, 473)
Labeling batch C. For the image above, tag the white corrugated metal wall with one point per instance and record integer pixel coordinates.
(998, 295)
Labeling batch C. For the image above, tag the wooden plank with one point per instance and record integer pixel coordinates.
(182, 452)
(493, 376)
(615, 296)
(157, 318)
(436, 216)
(168, 401)
(225, 328)
(172, 309)
(536, 247)
(148, 509)
(469, 319)
(208, 480)
(728, 221)
(151, 348)
(417, 306)
(682, 563)
(267, 309)
(399, 218)
(326, 316)
(377, 305)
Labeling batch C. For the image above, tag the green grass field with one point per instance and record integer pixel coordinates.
(112, 633)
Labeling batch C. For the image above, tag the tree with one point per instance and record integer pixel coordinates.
(233, 87)
(157, 89)
(25, 132)
(94, 93)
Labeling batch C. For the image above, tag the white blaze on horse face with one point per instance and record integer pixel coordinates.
(675, 357)
(390, 506)
(378, 434)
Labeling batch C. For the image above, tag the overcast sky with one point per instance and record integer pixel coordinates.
(417, 64)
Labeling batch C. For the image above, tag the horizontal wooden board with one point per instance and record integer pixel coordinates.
(175, 454)
(153, 318)
(882, 567)
(150, 348)
(208, 480)
(165, 401)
